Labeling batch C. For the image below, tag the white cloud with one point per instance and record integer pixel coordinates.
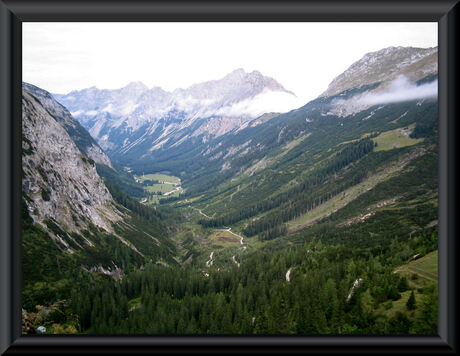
(401, 90)
(303, 57)
(267, 101)
(77, 113)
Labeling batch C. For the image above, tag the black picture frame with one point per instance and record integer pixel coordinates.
(14, 12)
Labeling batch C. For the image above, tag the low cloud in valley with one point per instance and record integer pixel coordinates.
(401, 90)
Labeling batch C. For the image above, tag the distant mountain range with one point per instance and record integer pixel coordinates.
(136, 125)
(123, 119)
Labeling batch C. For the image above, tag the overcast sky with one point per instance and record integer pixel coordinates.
(303, 57)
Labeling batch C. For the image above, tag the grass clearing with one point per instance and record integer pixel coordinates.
(169, 186)
(426, 268)
(223, 238)
(391, 307)
(397, 138)
(163, 188)
(160, 177)
(363, 136)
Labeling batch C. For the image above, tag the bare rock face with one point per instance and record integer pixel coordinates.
(59, 182)
(85, 143)
(386, 65)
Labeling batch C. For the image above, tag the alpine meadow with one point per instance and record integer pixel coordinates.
(212, 210)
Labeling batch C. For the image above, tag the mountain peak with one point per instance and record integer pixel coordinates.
(385, 65)
(237, 72)
(135, 88)
(136, 85)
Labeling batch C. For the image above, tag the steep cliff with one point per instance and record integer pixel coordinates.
(60, 184)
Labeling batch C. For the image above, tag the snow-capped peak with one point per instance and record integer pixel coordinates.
(136, 86)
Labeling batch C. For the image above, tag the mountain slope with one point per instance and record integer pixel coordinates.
(386, 65)
(365, 108)
(66, 200)
(61, 184)
(85, 143)
(324, 162)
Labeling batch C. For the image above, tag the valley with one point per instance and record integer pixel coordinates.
(302, 222)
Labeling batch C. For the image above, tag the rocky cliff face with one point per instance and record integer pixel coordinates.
(386, 65)
(60, 184)
(85, 143)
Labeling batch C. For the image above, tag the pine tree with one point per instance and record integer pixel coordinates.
(427, 317)
(411, 302)
(403, 285)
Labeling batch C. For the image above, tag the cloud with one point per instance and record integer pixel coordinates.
(401, 90)
(267, 101)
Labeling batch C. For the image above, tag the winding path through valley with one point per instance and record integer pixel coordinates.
(211, 260)
(230, 231)
(199, 210)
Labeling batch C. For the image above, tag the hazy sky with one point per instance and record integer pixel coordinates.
(303, 57)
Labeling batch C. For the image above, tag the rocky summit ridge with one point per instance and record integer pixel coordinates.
(386, 65)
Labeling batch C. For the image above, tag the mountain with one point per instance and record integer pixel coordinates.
(257, 146)
(71, 221)
(390, 75)
(134, 122)
(265, 177)
(60, 183)
(386, 65)
(85, 143)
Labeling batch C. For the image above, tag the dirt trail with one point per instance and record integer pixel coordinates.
(199, 210)
(288, 275)
(172, 183)
(234, 260)
(210, 261)
(172, 191)
(356, 284)
(230, 231)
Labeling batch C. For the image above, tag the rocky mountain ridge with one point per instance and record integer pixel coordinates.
(393, 74)
(60, 184)
(124, 118)
(411, 81)
(85, 143)
(386, 65)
